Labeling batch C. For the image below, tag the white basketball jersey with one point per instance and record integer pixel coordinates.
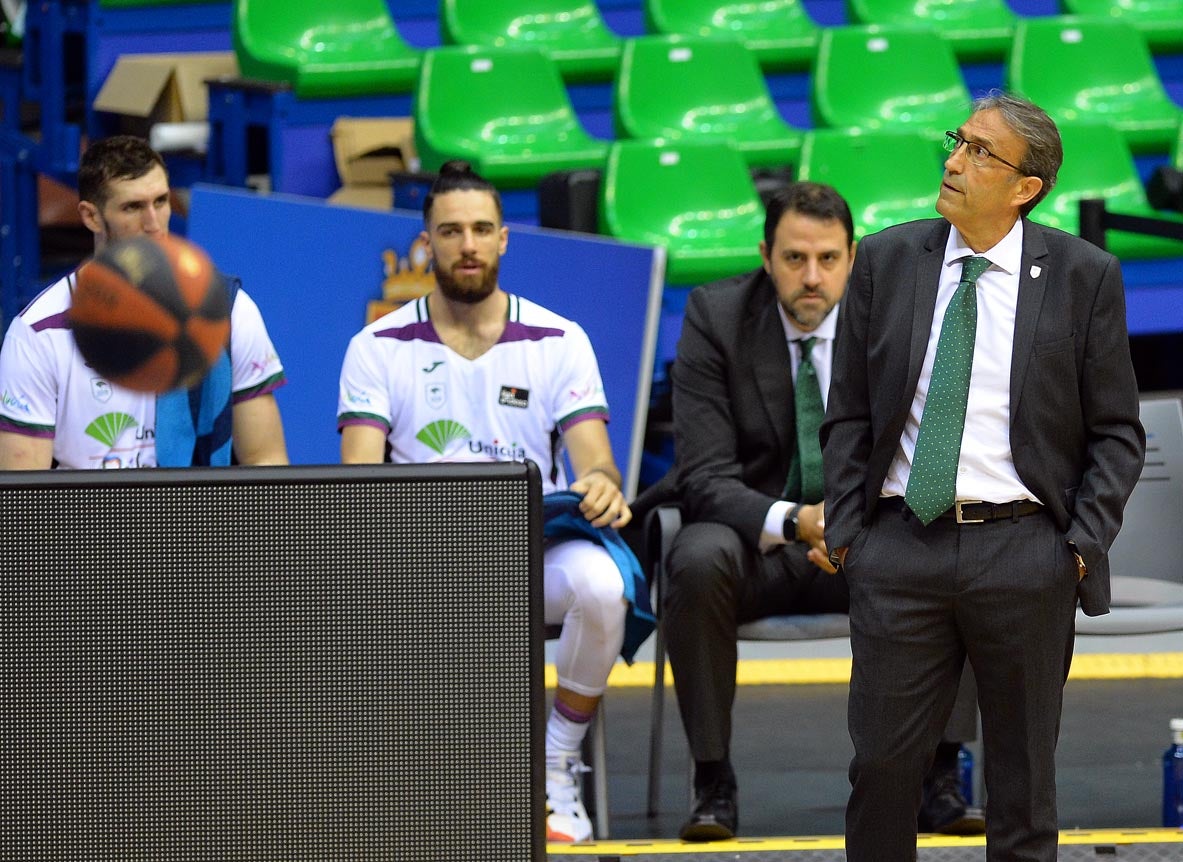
(48, 390)
(511, 403)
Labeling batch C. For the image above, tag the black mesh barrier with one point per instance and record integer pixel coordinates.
(272, 664)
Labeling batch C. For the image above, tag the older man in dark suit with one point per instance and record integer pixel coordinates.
(750, 379)
(981, 440)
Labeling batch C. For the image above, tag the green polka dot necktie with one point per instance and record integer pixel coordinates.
(932, 484)
(805, 469)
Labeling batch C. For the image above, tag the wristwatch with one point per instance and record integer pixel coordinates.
(791, 530)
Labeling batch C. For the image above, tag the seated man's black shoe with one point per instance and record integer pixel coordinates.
(715, 815)
(943, 808)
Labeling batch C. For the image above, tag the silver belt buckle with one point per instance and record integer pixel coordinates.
(961, 519)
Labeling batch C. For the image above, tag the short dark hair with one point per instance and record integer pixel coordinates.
(457, 175)
(816, 200)
(120, 157)
(1045, 151)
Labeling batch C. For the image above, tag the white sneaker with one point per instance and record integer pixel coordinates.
(566, 818)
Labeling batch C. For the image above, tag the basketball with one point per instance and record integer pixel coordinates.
(150, 314)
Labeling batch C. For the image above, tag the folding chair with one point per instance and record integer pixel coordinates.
(662, 524)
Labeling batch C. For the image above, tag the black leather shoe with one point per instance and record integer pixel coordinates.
(715, 815)
(943, 809)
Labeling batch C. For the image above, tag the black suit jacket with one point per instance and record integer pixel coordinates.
(1075, 436)
(734, 428)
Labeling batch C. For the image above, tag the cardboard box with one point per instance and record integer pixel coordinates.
(364, 197)
(162, 88)
(367, 150)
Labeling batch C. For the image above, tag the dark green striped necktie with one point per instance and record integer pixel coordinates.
(805, 470)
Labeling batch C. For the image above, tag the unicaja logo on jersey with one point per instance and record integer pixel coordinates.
(438, 434)
(107, 428)
(497, 450)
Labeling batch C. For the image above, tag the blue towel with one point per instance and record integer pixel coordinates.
(562, 521)
(193, 426)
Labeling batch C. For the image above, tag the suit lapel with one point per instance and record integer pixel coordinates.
(770, 363)
(1033, 279)
(928, 278)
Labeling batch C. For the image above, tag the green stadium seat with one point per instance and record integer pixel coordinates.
(324, 50)
(696, 199)
(779, 32)
(887, 176)
(471, 103)
(1159, 21)
(690, 87)
(1098, 164)
(1094, 70)
(882, 77)
(571, 32)
(978, 30)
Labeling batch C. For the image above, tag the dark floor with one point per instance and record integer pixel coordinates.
(791, 751)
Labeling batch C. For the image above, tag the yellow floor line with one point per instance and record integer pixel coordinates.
(640, 846)
(1155, 665)
(803, 671)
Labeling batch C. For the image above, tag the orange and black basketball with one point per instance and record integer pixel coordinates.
(150, 313)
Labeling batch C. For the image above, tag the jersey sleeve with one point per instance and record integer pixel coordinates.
(363, 395)
(256, 367)
(579, 390)
(28, 383)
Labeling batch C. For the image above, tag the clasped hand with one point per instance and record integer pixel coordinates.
(603, 504)
(811, 528)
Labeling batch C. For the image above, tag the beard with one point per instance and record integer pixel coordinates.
(466, 288)
(808, 317)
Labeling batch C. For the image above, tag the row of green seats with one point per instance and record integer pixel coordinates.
(675, 86)
(352, 47)
(698, 200)
(469, 102)
(981, 30)
(780, 31)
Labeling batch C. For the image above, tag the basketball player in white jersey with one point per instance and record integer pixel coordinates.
(472, 373)
(55, 410)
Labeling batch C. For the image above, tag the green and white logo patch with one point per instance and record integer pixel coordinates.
(107, 428)
(438, 434)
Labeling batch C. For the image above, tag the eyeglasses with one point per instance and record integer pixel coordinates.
(976, 153)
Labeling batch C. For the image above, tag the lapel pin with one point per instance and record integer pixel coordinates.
(1035, 271)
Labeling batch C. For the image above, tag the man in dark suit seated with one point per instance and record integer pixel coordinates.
(749, 388)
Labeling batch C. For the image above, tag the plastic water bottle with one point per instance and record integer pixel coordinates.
(965, 765)
(1172, 777)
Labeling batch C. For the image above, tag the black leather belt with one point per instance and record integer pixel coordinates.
(978, 512)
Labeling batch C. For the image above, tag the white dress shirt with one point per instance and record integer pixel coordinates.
(986, 469)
